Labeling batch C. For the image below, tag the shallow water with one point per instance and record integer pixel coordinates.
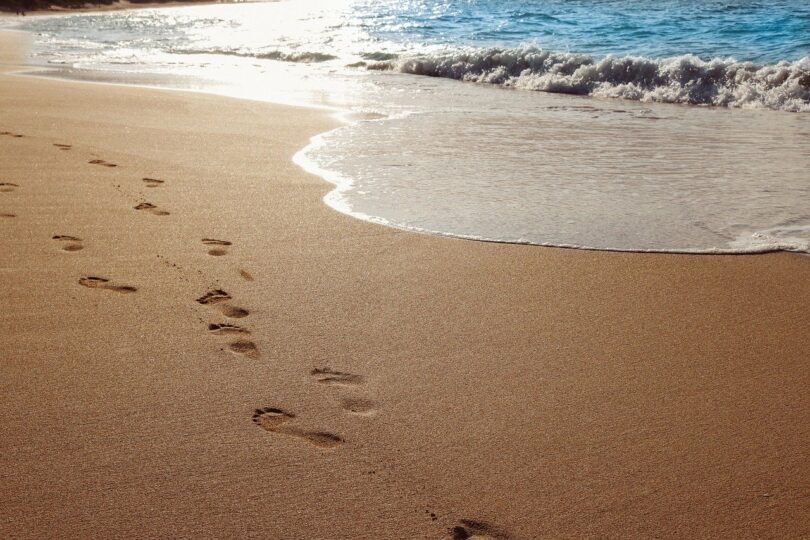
(517, 158)
(578, 172)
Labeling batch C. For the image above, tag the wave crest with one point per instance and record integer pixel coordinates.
(683, 79)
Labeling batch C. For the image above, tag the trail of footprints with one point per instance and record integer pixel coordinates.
(275, 419)
(271, 419)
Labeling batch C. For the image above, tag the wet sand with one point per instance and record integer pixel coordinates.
(194, 345)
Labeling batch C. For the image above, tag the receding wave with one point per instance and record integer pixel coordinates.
(306, 57)
(682, 79)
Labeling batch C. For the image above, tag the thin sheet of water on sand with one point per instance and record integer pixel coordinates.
(580, 172)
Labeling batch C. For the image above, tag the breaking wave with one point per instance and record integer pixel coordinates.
(683, 79)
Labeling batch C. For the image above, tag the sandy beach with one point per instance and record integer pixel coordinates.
(194, 345)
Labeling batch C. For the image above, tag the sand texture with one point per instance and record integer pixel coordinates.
(194, 346)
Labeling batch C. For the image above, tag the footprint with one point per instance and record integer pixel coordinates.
(322, 439)
(10, 134)
(103, 283)
(271, 418)
(218, 296)
(233, 312)
(212, 242)
(153, 182)
(330, 376)
(359, 406)
(244, 348)
(246, 275)
(7, 187)
(72, 243)
(217, 251)
(63, 146)
(214, 296)
(151, 208)
(275, 420)
(225, 328)
(470, 528)
(102, 163)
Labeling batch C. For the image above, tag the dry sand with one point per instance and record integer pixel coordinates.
(404, 382)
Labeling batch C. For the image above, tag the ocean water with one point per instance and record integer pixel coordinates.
(669, 125)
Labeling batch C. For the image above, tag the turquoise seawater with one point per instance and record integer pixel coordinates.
(758, 31)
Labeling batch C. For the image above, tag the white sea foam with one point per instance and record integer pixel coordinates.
(683, 79)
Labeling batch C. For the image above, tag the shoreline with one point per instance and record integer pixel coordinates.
(391, 384)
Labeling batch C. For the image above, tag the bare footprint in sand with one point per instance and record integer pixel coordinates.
(151, 208)
(153, 182)
(244, 348)
(70, 243)
(219, 250)
(7, 187)
(214, 296)
(246, 275)
(359, 406)
(94, 282)
(227, 329)
(330, 376)
(102, 163)
(474, 529)
(219, 298)
(271, 418)
(62, 146)
(233, 312)
(275, 420)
